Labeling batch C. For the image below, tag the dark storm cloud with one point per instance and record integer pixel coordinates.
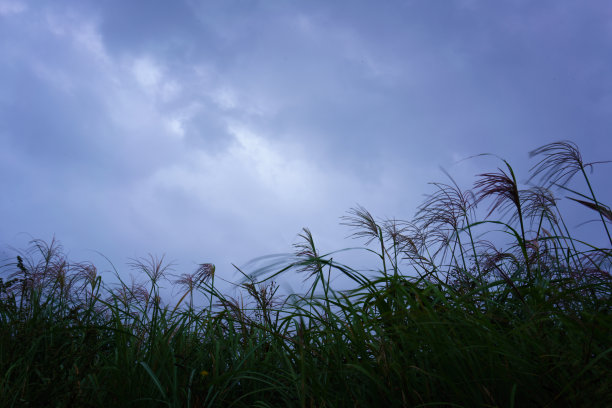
(214, 131)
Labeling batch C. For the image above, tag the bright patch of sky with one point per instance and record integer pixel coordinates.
(215, 131)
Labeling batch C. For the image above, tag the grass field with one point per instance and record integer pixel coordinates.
(452, 317)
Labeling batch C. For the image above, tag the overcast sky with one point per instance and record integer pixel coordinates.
(213, 131)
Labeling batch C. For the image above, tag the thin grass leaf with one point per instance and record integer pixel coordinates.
(604, 210)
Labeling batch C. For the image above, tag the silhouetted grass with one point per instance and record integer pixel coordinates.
(449, 319)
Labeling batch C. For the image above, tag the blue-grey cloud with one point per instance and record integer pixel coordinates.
(214, 131)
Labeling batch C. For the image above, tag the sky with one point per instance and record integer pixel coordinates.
(214, 131)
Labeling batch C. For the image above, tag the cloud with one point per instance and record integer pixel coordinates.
(8, 7)
(147, 162)
(272, 178)
(147, 73)
(222, 129)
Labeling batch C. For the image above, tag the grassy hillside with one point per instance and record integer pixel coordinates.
(483, 299)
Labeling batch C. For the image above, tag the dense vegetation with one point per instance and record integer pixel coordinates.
(506, 309)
